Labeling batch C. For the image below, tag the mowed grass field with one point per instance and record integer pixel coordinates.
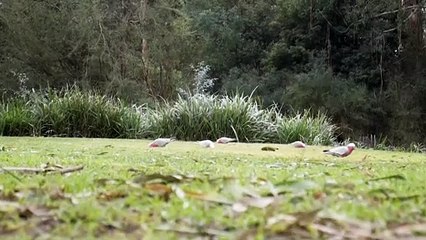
(183, 191)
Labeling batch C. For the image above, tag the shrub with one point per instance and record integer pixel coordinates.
(306, 127)
(209, 117)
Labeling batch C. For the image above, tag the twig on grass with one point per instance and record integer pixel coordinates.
(71, 169)
(193, 231)
(41, 170)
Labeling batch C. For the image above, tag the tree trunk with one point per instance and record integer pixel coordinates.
(412, 41)
(328, 41)
(144, 49)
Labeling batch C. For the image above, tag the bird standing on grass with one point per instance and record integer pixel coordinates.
(161, 142)
(206, 144)
(342, 151)
(225, 140)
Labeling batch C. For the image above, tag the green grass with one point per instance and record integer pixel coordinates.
(85, 205)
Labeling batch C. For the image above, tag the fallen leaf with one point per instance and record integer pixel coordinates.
(208, 197)
(410, 229)
(268, 148)
(281, 218)
(9, 196)
(57, 194)
(179, 192)
(319, 195)
(239, 207)
(111, 195)
(328, 230)
(156, 177)
(37, 211)
(258, 202)
(158, 189)
(47, 224)
(7, 206)
(74, 198)
(306, 218)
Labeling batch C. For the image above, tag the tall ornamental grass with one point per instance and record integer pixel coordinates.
(209, 117)
(16, 119)
(312, 129)
(74, 113)
(70, 113)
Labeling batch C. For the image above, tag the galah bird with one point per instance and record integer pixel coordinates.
(160, 142)
(225, 140)
(342, 151)
(206, 144)
(298, 144)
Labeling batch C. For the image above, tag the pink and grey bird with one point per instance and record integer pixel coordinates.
(225, 140)
(206, 144)
(298, 144)
(160, 142)
(342, 151)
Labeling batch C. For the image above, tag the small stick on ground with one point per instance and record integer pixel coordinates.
(40, 170)
(71, 169)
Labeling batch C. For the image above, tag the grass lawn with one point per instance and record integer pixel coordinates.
(234, 191)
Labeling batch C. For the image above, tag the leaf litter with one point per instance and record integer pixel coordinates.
(260, 193)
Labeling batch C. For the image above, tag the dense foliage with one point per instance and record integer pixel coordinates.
(362, 62)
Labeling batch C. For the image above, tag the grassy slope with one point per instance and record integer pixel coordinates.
(311, 180)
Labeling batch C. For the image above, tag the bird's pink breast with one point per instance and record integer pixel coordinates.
(347, 153)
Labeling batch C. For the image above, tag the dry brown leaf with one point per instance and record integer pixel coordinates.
(281, 218)
(158, 189)
(108, 196)
(262, 202)
(179, 192)
(57, 194)
(306, 218)
(9, 196)
(239, 207)
(258, 202)
(7, 206)
(410, 229)
(160, 178)
(207, 197)
(36, 211)
(319, 195)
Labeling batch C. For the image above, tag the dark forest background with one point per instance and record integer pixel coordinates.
(360, 61)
